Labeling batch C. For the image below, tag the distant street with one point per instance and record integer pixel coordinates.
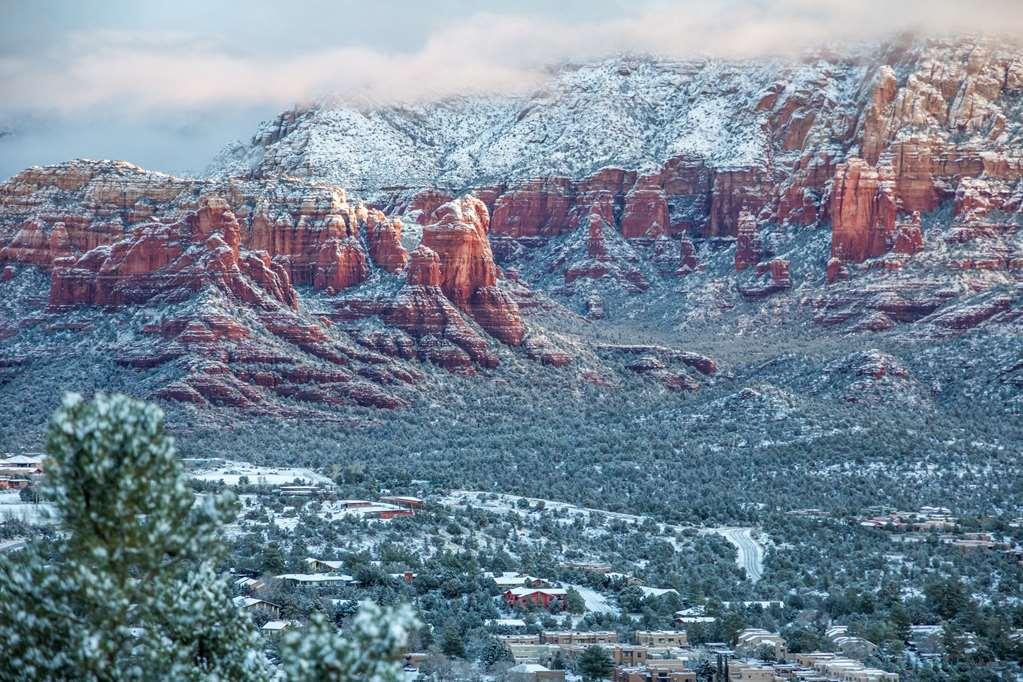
(751, 552)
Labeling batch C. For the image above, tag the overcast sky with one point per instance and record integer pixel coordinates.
(167, 83)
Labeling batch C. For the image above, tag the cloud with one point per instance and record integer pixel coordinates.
(138, 71)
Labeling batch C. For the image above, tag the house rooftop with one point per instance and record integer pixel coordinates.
(315, 577)
(277, 625)
(21, 460)
(326, 562)
(523, 591)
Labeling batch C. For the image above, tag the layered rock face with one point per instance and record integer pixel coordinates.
(863, 211)
(227, 256)
(171, 263)
(866, 191)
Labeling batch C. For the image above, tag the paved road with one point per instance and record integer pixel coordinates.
(751, 552)
(12, 545)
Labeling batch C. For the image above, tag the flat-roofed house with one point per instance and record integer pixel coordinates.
(570, 637)
(662, 638)
(317, 579)
(403, 501)
(534, 672)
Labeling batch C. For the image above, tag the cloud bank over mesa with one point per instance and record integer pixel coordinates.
(190, 71)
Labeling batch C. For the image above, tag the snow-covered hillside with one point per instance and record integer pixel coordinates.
(628, 112)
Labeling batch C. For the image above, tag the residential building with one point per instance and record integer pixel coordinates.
(662, 638)
(300, 490)
(249, 584)
(629, 655)
(655, 671)
(317, 579)
(252, 605)
(534, 672)
(353, 504)
(570, 637)
(523, 596)
(324, 565)
(750, 671)
(751, 641)
(853, 647)
(533, 653)
(510, 579)
(403, 501)
(843, 669)
(22, 465)
(520, 638)
(276, 628)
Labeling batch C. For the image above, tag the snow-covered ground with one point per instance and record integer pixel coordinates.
(229, 472)
(626, 112)
(595, 601)
(12, 508)
(749, 550)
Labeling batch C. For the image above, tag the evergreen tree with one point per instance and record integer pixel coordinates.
(574, 601)
(369, 652)
(451, 643)
(133, 594)
(594, 664)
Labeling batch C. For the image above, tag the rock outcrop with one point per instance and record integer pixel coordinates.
(863, 211)
(171, 263)
(458, 236)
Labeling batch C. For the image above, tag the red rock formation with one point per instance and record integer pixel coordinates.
(735, 191)
(468, 271)
(595, 246)
(424, 268)
(536, 208)
(862, 211)
(645, 214)
(171, 262)
(459, 237)
(779, 280)
(836, 270)
(424, 203)
(909, 236)
(305, 230)
(688, 261)
(495, 311)
(340, 264)
(748, 246)
(876, 116)
(384, 238)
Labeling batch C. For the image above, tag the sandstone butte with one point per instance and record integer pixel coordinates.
(868, 171)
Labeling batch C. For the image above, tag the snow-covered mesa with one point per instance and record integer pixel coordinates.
(629, 112)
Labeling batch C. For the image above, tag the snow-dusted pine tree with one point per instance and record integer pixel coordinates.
(368, 652)
(133, 592)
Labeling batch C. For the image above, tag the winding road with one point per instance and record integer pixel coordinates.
(750, 552)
